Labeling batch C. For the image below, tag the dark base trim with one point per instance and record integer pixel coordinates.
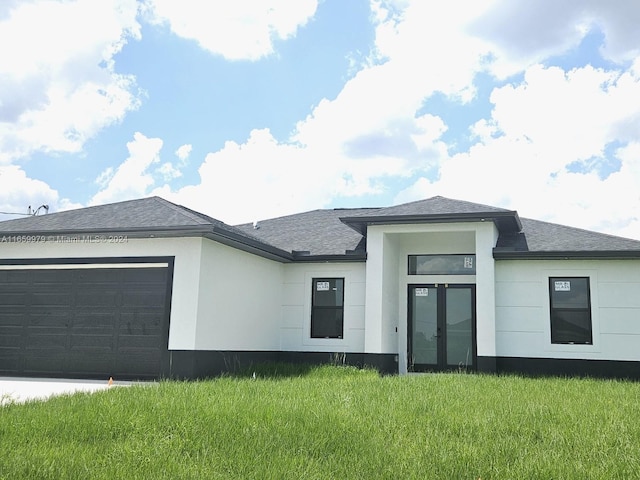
(188, 364)
(563, 367)
(486, 364)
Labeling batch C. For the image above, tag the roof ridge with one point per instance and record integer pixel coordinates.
(440, 197)
(354, 208)
(187, 212)
(204, 219)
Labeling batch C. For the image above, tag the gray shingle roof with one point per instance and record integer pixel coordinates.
(319, 232)
(432, 206)
(146, 213)
(435, 210)
(539, 238)
(153, 216)
(331, 233)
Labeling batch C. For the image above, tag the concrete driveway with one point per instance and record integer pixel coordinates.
(24, 389)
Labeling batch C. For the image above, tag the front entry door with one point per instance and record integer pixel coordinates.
(441, 327)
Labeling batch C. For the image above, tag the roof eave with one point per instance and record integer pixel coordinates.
(35, 236)
(249, 245)
(566, 255)
(347, 257)
(507, 221)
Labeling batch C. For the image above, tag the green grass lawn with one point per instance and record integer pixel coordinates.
(331, 422)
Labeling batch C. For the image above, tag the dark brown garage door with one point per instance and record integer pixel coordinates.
(92, 321)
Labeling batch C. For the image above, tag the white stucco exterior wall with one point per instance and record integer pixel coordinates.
(295, 331)
(380, 262)
(239, 300)
(523, 315)
(486, 239)
(388, 248)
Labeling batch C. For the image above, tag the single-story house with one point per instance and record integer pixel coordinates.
(150, 289)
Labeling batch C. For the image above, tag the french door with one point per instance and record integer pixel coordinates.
(442, 327)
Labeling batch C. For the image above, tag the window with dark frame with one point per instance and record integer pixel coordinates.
(452, 264)
(570, 305)
(327, 308)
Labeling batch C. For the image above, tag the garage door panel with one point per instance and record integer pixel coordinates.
(90, 319)
(97, 298)
(43, 328)
(51, 298)
(10, 338)
(107, 275)
(139, 319)
(142, 298)
(99, 363)
(43, 318)
(51, 363)
(84, 321)
(92, 367)
(141, 286)
(131, 342)
(140, 315)
(148, 275)
(11, 360)
(146, 331)
(94, 336)
(149, 329)
(124, 366)
(103, 341)
(12, 278)
(52, 276)
(46, 341)
(11, 298)
(13, 319)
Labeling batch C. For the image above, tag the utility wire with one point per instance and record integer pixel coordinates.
(30, 213)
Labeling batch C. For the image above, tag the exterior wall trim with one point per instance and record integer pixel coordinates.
(566, 255)
(192, 364)
(565, 367)
(85, 260)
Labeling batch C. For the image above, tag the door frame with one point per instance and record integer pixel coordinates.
(441, 324)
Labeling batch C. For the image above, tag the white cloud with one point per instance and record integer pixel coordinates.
(169, 172)
(538, 130)
(542, 149)
(263, 178)
(183, 152)
(619, 21)
(569, 115)
(132, 179)
(59, 83)
(257, 179)
(410, 64)
(18, 192)
(238, 30)
(348, 145)
(538, 150)
(373, 129)
(105, 177)
(522, 33)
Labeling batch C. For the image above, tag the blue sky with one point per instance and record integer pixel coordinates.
(253, 109)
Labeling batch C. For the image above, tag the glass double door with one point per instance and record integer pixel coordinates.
(441, 327)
